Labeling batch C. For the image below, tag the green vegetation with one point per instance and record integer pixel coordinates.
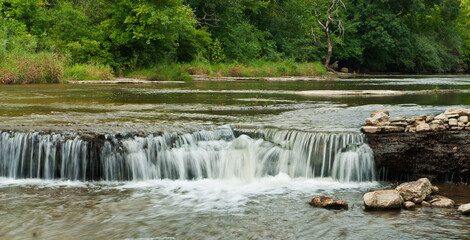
(55, 40)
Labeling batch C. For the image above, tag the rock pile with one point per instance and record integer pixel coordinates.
(454, 118)
(407, 195)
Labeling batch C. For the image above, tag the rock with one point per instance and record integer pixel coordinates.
(419, 122)
(399, 124)
(463, 119)
(461, 125)
(344, 70)
(328, 202)
(383, 199)
(378, 118)
(409, 120)
(372, 114)
(430, 118)
(464, 209)
(409, 204)
(437, 121)
(371, 129)
(393, 129)
(419, 117)
(415, 191)
(457, 110)
(453, 122)
(442, 202)
(441, 117)
(434, 190)
(397, 119)
(426, 204)
(423, 128)
(437, 127)
(410, 129)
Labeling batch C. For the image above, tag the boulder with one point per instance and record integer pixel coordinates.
(442, 202)
(457, 110)
(423, 128)
(328, 202)
(409, 204)
(415, 191)
(378, 118)
(371, 129)
(383, 199)
(372, 114)
(464, 209)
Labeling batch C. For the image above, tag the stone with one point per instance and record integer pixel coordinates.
(399, 124)
(461, 125)
(344, 70)
(379, 118)
(437, 121)
(426, 204)
(442, 202)
(328, 202)
(410, 129)
(441, 117)
(437, 127)
(409, 120)
(464, 209)
(423, 128)
(415, 191)
(409, 204)
(393, 129)
(430, 118)
(434, 190)
(398, 119)
(457, 110)
(419, 122)
(463, 119)
(372, 114)
(419, 117)
(453, 122)
(371, 129)
(456, 128)
(383, 199)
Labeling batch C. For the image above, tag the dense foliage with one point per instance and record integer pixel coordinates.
(385, 35)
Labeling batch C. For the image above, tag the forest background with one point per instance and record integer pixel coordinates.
(57, 40)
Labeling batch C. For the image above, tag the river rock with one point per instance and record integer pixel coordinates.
(441, 117)
(371, 129)
(399, 124)
(415, 191)
(453, 122)
(372, 114)
(419, 117)
(423, 128)
(383, 199)
(328, 202)
(426, 204)
(380, 118)
(409, 204)
(430, 118)
(434, 190)
(463, 119)
(442, 202)
(457, 110)
(398, 119)
(464, 209)
(437, 127)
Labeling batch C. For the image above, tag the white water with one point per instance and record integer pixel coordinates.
(208, 154)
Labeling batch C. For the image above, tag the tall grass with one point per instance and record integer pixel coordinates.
(88, 72)
(259, 69)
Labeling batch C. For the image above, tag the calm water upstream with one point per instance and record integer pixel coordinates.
(212, 160)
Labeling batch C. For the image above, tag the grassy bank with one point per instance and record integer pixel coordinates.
(183, 71)
(45, 67)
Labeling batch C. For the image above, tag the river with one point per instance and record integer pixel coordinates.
(209, 160)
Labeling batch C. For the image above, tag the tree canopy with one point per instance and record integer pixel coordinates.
(386, 35)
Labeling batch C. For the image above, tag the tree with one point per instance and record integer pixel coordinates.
(331, 18)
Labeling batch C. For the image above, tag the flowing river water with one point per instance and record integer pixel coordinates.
(209, 160)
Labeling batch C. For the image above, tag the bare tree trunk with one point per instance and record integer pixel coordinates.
(330, 49)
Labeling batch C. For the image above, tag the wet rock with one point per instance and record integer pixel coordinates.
(409, 204)
(328, 203)
(423, 128)
(434, 190)
(383, 199)
(442, 202)
(371, 129)
(464, 209)
(463, 119)
(415, 191)
(453, 122)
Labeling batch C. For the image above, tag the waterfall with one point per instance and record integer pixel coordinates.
(219, 153)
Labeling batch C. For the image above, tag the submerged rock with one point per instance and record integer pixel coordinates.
(383, 199)
(415, 191)
(328, 202)
(464, 209)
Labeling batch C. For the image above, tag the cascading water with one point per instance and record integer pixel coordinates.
(220, 153)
